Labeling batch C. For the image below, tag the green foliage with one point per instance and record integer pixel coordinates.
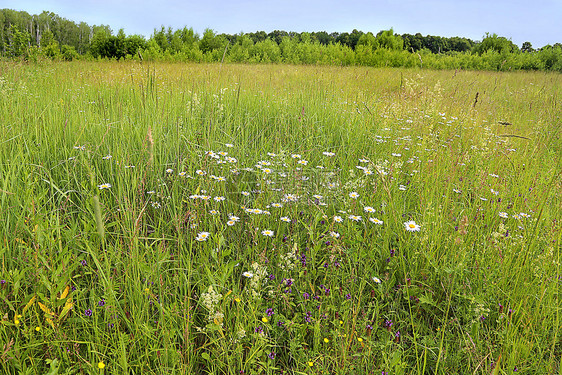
(527, 47)
(211, 43)
(388, 40)
(100, 44)
(18, 42)
(367, 40)
(161, 39)
(105, 45)
(133, 44)
(49, 32)
(551, 58)
(495, 43)
(52, 50)
(109, 178)
(69, 53)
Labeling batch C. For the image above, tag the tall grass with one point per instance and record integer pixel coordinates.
(113, 260)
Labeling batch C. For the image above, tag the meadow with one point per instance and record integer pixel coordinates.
(176, 218)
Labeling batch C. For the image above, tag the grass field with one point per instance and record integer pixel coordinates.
(275, 219)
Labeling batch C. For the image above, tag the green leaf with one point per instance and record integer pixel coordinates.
(426, 299)
(213, 327)
(497, 367)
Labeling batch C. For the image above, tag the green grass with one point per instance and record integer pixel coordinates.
(116, 276)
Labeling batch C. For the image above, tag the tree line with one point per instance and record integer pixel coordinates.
(48, 35)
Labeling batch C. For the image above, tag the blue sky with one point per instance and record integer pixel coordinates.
(538, 22)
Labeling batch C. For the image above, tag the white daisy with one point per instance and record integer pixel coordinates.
(202, 236)
(411, 226)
